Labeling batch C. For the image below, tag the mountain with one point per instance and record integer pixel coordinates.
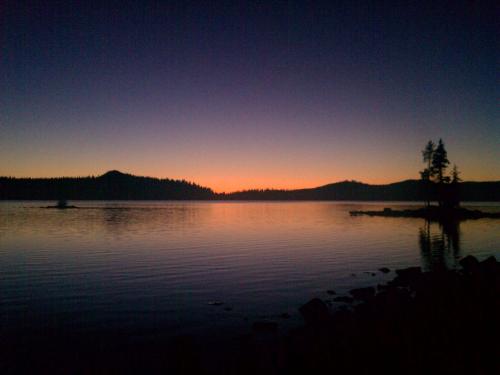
(117, 185)
(111, 185)
(409, 190)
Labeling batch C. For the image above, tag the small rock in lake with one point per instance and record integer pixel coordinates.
(215, 303)
(384, 270)
(331, 292)
(228, 308)
(285, 316)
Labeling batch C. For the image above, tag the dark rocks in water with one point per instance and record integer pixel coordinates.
(408, 275)
(417, 328)
(285, 316)
(490, 265)
(345, 299)
(469, 263)
(363, 294)
(331, 292)
(228, 308)
(265, 326)
(314, 312)
(215, 303)
(384, 270)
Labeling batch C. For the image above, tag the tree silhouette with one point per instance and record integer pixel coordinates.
(440, 162)
(455, 175)
(427, 173)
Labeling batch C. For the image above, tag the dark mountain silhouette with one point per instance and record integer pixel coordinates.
(409, 190)
(111, 185)
(118, 185)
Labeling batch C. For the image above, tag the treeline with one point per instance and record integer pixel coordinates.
(113, 185)
(116, 185)
(409, 190)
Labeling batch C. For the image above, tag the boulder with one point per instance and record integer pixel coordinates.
(384, 270)
(469, 263)
(490, 266)
(314, 312)
(363, 294)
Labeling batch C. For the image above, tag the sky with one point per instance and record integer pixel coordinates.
(238, 95)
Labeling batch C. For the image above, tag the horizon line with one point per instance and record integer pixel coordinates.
(234, 191)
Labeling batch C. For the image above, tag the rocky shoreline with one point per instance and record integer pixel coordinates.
(418, 323)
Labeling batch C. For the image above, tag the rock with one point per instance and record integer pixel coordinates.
(363, 294)
(469, 263)
(331, 292)
(409, 274)
(265, 326)
(384, 270)
(228, 309)
(215, 303)
(314, 312)
(345, 299)
(285, 316)
(490, 266)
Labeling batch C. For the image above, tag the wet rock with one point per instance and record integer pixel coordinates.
(265, 326)
(314, 312)
(490, 266)
(363, 294)
(215, 303)
(228, 309)
(345, 299)
(285, 316)
(469, 263)
(331, 292)
(410, 272)
(384, 270)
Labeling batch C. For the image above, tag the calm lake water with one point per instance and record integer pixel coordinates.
(152, 267)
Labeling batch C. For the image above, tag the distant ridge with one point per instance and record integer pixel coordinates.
(408, 190)
(112, 185)
(115, 185)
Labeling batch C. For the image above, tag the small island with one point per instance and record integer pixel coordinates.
(432, 213)
(62, 204)
(438, 187)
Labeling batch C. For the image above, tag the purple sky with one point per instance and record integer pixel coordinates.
(234, 96)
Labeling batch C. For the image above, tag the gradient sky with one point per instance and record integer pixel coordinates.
(238, 95)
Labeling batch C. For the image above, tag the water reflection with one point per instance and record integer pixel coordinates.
(439, 244)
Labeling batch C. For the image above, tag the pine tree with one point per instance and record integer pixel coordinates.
(426, 174)
(440, 162)
(455, 175)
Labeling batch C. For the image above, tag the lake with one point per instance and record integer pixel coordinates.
(155, 268)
